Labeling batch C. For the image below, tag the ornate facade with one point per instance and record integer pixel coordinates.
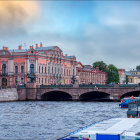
(44, 65)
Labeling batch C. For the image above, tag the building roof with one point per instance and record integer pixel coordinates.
(44, 48)
(131, 74)
(17, 50)
(70, 57)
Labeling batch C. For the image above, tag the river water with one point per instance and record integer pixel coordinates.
(51, 120)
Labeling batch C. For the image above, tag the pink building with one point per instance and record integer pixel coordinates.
(45, 65)
(85, 74)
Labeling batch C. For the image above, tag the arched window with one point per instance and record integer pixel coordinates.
(16, 69)
(4, 69)
(32, 68)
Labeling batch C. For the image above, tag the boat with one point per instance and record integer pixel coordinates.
(125, 101)
(133, 109)
(112, 129)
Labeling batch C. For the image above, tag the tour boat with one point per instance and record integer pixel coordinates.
(112, 129)
(125, 101)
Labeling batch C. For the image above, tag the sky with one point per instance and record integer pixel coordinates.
(93, 31)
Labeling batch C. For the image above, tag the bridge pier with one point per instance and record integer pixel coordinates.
(75, 97)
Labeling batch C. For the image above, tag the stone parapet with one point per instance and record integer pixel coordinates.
(9, 94)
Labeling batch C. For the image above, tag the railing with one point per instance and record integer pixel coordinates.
(56, 86)
(21, 86)
(96, 85)
(129, 85)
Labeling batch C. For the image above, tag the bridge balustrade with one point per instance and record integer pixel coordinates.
(21, 86)
(129, 85)
(56, 86)
(95, 85)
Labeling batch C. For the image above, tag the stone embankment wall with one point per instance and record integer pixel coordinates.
(9, 94)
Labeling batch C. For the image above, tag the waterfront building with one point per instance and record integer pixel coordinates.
(43, 65)
(133, 76)
(122, 76)
(86, 74)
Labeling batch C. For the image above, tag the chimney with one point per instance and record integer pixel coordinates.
(5, 48)
(31, 47)
(36, 46)
(20, 47)
(41, 45)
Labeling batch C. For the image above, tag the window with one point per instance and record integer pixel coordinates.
(67, 72)
(4, 69)
(22, 69)
(42, 69)
(45, 80)
(39, 80)
(52, 69)
(16, 80)
(42, 80)
(55, 70)
(45, 70)
(39, 69)
(22, 80)
(16, 69)
(73, 71)
(48, 69)
(32, 68)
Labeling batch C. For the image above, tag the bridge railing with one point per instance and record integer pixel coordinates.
(95, 85)
(21, 86)
(129, 85)
(56, 86)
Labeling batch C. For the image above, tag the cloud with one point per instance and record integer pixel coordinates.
(16, 16)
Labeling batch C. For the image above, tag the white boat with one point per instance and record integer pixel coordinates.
(113, 129)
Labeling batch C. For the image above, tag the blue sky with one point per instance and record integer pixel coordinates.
(90, 30)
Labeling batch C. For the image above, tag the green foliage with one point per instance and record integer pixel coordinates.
(138, 68)
(102, 66)
(126, 79)
(113, 75)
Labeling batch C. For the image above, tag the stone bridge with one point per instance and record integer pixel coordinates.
(33, 92)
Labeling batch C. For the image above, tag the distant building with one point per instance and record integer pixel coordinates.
(85, 74)
(133, 76)
(122, 76)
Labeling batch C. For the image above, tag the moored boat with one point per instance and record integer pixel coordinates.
(125, 101)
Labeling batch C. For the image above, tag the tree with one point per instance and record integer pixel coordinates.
(138, 68)
(126, 79)
(113, 75)
(102, 66)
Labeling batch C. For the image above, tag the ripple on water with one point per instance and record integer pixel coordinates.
(52, 120)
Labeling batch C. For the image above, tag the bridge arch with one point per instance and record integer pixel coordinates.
(94, 96)
(56, 96)
(131, 93)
